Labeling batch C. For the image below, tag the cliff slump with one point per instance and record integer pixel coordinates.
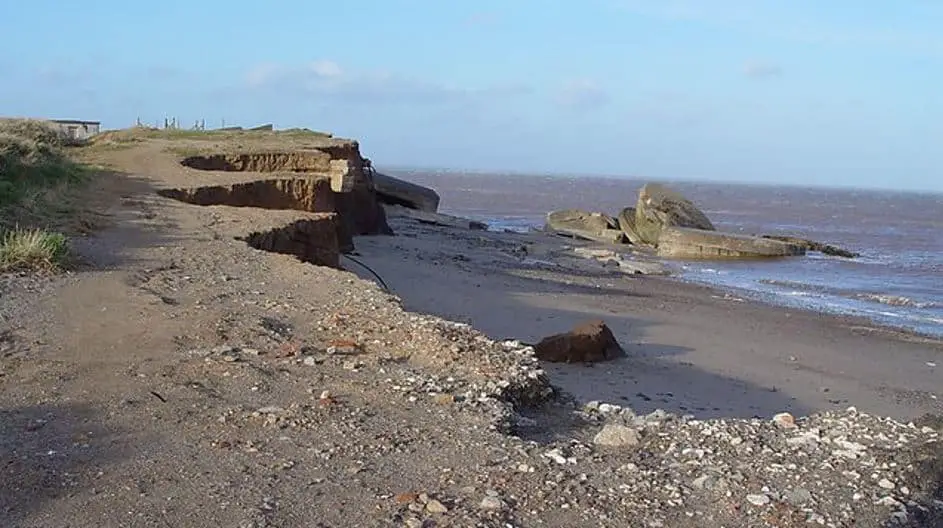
(334, 181)
(312, 240)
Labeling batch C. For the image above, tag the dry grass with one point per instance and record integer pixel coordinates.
(32, 249)
(140, 134)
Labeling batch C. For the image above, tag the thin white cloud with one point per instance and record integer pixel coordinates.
(325, 79)
(582, 94)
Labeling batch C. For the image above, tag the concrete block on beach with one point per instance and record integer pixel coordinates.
(395, 191)
(680, 242)
(596, 227)
(659, 207)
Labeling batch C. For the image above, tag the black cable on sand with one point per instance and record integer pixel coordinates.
(375, 274)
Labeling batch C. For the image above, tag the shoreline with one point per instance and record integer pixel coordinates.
(760, 296)
(693, 348)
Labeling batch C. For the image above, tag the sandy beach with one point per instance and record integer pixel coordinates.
(691, 349)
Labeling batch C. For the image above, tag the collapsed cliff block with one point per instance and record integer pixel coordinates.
(589, 342)
(394, 191)
(687, 243)
(597, 227)
(627, 225)
(659, 207)
(812, 245)
(312, 240)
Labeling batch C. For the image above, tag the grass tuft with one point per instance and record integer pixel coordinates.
(32, 249)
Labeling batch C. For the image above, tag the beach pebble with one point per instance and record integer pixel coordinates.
(759, 499)
(491, 503)
(614, 435)
(785, 420)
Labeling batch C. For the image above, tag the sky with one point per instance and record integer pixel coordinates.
(803, 92)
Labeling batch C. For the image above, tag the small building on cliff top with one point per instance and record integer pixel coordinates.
(78, 130)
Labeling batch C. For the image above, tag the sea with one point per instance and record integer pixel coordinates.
(897, 281)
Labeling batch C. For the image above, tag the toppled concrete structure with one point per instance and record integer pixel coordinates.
(597, 227)
(394, 191)
(659, 207)
(686, 243)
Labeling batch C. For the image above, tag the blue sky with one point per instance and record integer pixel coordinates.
(838, 93)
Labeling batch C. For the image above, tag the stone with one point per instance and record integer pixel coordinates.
(785, 420)
(588, 342)
(659, 207)
(886, 484)
(798, 496)
(394, 191)
(686, 243)
(491, 503)
(627, 225)
(434, 506)
(615, 435)
(760, 499)
(596, 227)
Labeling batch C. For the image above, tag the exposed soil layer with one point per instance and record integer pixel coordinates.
(359, 211)
(301, 194)
(312, 240)
(295, 161)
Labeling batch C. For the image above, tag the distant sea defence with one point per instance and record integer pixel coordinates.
(895, 282)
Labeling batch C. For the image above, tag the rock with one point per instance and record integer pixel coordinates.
(759, 499)
(812, 245)
(596, 227)
(394, 191)
(659, 207)
(679, 242)
(886, 484)
(797, 496)
(491, 503)
(438, 219)
(588, 342)
(434, 506)
(615, 435)
(627, 225)
(785, 420)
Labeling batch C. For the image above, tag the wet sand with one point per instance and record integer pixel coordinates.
(691, 349)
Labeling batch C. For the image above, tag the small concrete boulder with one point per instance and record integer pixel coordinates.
(596, 227)
(394, 191)
(685, 243)
(659, 207)
(588, 342)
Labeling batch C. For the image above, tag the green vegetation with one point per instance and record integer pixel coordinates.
(32, 249)
(34, 169)
(32, 160)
